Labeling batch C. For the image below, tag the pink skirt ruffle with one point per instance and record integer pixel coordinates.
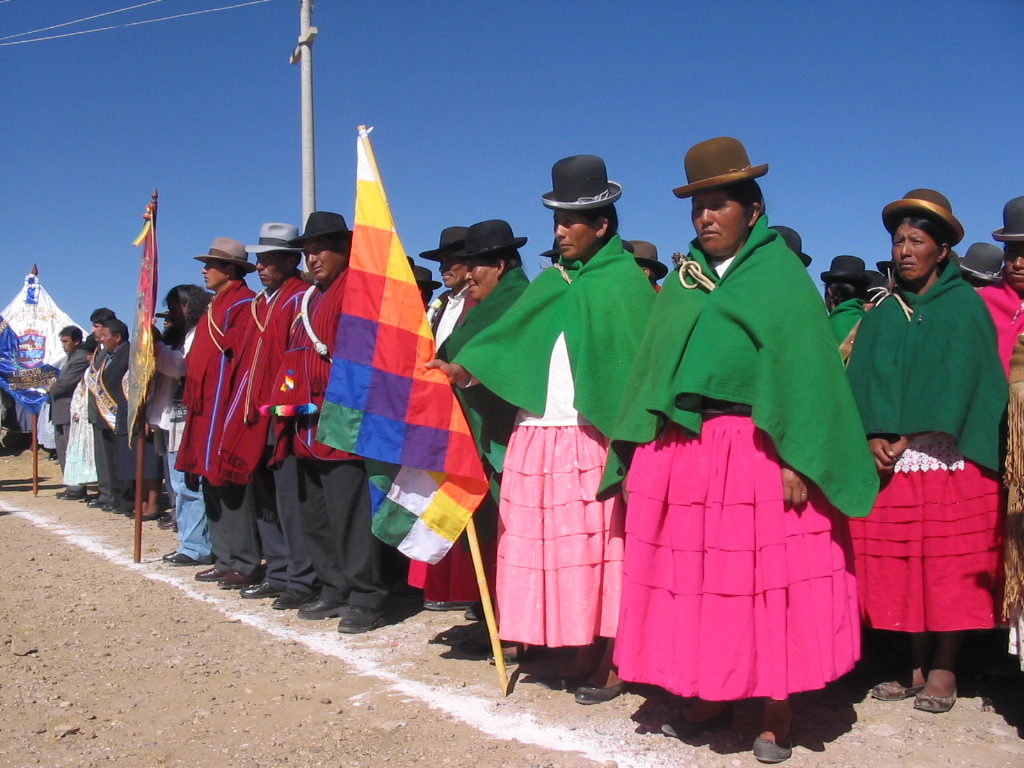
(727, 592)
(928, 555)
(559, 550)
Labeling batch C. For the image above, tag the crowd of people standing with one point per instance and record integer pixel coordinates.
(708, 485)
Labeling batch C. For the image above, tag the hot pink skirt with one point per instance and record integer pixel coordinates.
(728, 593)
(928, 555)
(559, 550)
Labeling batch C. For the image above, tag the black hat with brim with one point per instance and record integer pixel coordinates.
(581, 183)
(322, 224)
(794, 242)
(449, 246)
(488, 239)
(984, 262)
(845, 269)
(1012, 230)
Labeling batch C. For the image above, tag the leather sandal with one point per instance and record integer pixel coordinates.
(936, 705)
(894, 690)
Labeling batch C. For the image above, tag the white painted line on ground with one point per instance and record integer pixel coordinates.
(480, 713)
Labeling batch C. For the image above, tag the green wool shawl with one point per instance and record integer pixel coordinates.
(490, 418)
(844, 316)
(759, 338)
(939, 371)
(602, 312)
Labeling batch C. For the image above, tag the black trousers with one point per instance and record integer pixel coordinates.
(334, 503)
(113, 489)
(231, 511)
(289, 564)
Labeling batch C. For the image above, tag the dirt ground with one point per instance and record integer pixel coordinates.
(107, 663)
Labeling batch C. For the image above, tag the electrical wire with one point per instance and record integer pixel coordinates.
(79, 21)
(130, 23)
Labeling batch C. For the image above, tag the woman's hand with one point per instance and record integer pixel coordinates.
(794, 489)
(456, 374)
(887, 453)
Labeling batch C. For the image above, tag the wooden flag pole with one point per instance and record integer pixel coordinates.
(485, 598)
(140, 445)
(35, 454)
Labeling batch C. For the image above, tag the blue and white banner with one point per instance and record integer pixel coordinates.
(30, 351)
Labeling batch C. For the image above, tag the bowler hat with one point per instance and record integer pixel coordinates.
(227, 250)
(717, 163)
(581, 182)
(876, 279)
(275, 237)
(928, 204)
(983, 262)
(646, 255)
(884, 266)
(554, 254)
(1012, 230)
(794, 242)
(322, 224)
(423, 276)
(489, 238)
(845, 269)
(451, 242)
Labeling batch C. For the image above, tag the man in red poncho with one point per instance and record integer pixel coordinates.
(206, 398)
(245, 449)
(334, 499)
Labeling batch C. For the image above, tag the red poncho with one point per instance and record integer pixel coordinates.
(208, 377)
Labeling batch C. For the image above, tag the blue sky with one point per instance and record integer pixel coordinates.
(850, 103)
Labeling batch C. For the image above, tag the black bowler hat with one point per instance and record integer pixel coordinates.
(845, 269)
(423, 276)
(449, 245)
(1012, 230)
(322, 224)
(554, 253)
(490, 238)
(884, 266)
(581, 182)
(982, 264)
(794, 242)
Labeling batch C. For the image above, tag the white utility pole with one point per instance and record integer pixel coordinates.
(303, 54)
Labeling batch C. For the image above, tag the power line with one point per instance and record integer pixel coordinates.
(130, 23)
(79, 21)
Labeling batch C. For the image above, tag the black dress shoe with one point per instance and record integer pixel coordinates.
(589, 694)
(322, 609)
(210, 574)
(359, 619)
(96, 503)
(445, 605)
(289, 601)
(263, 589)
(179, 558)
(235, 580)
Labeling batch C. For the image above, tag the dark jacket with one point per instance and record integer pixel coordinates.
(63, 388)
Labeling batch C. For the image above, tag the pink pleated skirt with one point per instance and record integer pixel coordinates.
(559, 574)
(928, 555)
(728, 593)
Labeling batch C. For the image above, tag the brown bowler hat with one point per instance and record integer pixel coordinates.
(717, 163)
(927, 203)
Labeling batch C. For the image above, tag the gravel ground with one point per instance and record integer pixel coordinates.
(107, 663)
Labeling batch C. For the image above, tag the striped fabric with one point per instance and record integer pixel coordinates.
(382, 404)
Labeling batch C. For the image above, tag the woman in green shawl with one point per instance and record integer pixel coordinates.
(738, 578)
(930, 387)
(561, 354)
(846, 285)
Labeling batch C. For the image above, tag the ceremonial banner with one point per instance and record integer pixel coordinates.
(142, 361)
(382, 404)
(33, 322)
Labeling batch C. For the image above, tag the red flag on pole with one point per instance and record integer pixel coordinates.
(142, 362)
